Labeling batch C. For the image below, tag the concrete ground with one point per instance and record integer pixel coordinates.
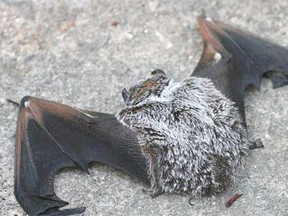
(82, 53)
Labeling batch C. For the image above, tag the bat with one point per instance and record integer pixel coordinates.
(51, 136)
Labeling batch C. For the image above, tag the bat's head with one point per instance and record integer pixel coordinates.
(153, 86)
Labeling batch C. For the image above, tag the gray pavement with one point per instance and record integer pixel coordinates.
(72, 52)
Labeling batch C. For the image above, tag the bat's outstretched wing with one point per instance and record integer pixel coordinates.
(51, 136)
(234, 59)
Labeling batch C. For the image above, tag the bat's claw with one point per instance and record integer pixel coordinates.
(12, 102)
(256, 144)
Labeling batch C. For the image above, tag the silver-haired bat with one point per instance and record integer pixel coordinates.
(180, 137)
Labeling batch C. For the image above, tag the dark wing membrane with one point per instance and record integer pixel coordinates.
(51, 136)
(234, 59)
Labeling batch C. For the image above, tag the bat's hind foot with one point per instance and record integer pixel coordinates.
(153, 191)
(256, 144)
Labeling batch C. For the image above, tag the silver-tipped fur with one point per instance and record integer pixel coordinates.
(191, 134)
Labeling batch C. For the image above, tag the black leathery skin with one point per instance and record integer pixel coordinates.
(51, 136)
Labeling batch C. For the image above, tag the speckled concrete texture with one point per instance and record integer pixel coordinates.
(82, 53)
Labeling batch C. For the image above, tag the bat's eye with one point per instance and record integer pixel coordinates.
(158, 71)
(125, 94)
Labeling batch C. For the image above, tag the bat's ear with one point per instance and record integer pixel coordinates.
(158, 71)
(125, 94)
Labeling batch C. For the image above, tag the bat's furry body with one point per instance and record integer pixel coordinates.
(191, 134)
